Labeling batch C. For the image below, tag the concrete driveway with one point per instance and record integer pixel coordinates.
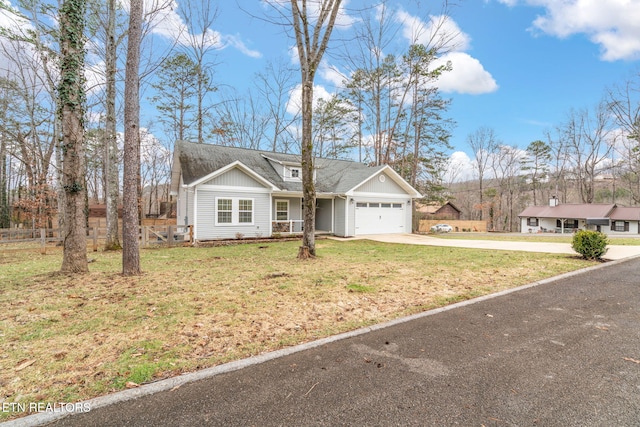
(614, 252)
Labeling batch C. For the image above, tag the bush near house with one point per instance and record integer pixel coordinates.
(590, 244)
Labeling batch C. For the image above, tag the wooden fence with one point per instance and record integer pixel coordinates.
(458, 225)
(150, 235)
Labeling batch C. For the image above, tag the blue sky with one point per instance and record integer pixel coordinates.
(519, 66)
(545, 57)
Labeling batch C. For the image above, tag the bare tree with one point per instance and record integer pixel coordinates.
(274, 84)
(624, 103)
(589, 139)
(483, 143)
(312, 29)
(242, 122)
(199, 17)
(71, 100)
(112, 240)
(506, 165)
(131, 177)
(560, 166)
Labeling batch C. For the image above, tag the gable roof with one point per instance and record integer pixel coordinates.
(625, 213)
(198, 161)
(434, 208)
(565, 211)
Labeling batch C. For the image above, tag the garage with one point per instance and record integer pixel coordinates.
(385, 217)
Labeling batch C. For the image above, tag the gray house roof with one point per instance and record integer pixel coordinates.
(197, 161)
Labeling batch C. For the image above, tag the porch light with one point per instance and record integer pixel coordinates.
(351, 200)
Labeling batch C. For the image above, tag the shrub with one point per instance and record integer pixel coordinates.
(590, 244)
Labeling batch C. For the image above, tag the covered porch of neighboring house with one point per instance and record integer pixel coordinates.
(288, 219)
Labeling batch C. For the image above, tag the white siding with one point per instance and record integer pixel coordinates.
(324, 215)
(235, 178)
(338, 214)
(184, 213)
(295, 207)
(351, 219)
(205, 228)
(374, 185)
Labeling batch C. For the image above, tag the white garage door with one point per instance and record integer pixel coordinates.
(380, 218)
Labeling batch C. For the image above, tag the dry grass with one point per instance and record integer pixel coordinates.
(524, 237)
(69, 338)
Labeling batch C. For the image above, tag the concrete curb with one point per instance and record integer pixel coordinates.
(43, 418)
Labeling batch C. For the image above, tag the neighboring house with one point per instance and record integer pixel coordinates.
(229, 192)
(567, 218)
(445, 211)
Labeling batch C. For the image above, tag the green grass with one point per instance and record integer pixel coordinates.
(193, 308)
(523, 237)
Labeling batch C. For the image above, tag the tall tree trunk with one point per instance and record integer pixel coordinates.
(4, 187)
(111, 144)
(308, 247)
(311, 43)
(130, 212)
(71, 100)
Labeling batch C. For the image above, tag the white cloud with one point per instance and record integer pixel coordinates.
(612, 24)
(509, 3)
(460, 168)
(168, 23)
(294, 106)
(343, 19)
(441, 31)
(467, 76)
(331, 74)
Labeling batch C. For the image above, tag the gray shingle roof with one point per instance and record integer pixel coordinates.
(332, 176)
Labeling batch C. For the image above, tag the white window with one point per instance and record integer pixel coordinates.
(225, 211)
(292, 173)
(282, 210)
(245, 211)
(234, 211)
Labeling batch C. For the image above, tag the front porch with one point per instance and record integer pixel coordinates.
(287, 216)
(293, 227)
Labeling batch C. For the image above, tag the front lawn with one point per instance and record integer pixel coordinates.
(543, 237)
(70, 338)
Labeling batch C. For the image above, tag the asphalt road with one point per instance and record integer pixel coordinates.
(562, 353)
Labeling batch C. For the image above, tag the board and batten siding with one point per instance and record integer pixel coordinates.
(235, 178)
(339, 207)
(351, 219)
(295, 207)
(205, 226)
(184, 213)
(324, 215)
(374, 185)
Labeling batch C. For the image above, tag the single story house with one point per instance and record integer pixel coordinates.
(229, 192)
(567, 218)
